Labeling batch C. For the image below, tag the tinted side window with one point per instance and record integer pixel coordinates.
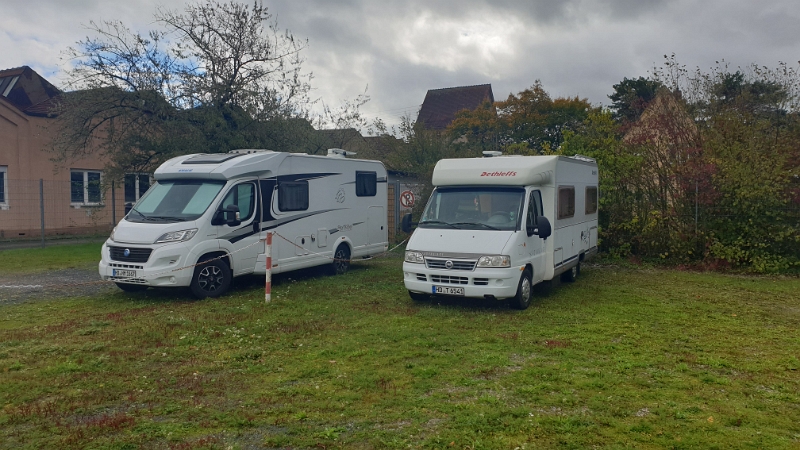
(566, 202)
(293, 196)
(591, 200)
(244, 196)
(534, 209)
(366, 184)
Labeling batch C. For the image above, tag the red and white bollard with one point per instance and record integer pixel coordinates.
(268, 254)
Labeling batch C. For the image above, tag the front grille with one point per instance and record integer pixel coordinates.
(458, 264)
(480, 281)
(129, 280)
(446, 279)
(125, 266)
(137, 255)
(421, 277)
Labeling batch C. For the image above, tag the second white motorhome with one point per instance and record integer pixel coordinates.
(494, 227)
(206, 219)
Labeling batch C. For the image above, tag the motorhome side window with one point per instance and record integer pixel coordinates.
(566, 202)
(366, 184)
(244, 196)
(293, 196)
(591, 200)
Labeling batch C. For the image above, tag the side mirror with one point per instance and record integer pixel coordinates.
(543, 228)
(406, 225)
(232, 215)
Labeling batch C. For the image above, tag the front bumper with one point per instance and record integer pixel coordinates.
(166, 266)
(500, 283)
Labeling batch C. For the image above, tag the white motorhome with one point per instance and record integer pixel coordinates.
(214, 210)
(494, 227)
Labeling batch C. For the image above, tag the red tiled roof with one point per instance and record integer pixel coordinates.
(441, 105)
(30, 93)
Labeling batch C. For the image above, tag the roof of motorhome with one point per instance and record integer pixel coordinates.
(499, 170)
(235, 164)
(218, 166)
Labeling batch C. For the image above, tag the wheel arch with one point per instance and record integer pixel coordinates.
(223, 256)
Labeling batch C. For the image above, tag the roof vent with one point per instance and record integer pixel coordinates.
(490, 154)
(339, 153)
(583, 158)
(247, 151)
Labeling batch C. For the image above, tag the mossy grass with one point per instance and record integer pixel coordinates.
(622, 358)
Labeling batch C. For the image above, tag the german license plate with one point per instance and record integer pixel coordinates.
(124, 273)
(447, 290)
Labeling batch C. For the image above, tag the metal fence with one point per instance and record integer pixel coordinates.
(43, 210)
(47, 209)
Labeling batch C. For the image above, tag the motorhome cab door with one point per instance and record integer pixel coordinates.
(534, 246)
(243, 235)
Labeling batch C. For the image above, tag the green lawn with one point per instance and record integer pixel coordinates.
(31, 260)
(623, 358)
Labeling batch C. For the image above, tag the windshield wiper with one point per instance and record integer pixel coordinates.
(142, 215)
(437, 222)
(476, 223)
(176, 219)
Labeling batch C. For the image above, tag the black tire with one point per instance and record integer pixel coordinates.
(417, 297)
(211, 278)
(524, 291)
(341, 260)
(570, 275)
(127, 287)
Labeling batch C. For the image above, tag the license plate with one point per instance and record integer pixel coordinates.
(447, 290)
(124, 273)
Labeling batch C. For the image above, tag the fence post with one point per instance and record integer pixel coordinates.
(113, 206)
(268, 263)
(41, 205)
(396, 206)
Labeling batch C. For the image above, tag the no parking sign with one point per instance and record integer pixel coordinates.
(407, 199)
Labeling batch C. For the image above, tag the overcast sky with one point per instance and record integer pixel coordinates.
(398, 49)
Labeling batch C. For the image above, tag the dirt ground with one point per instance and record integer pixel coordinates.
(57, 284)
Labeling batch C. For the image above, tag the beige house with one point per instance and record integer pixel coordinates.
(35, 193)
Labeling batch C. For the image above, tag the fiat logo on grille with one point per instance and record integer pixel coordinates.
(127, 252)
(448, 265)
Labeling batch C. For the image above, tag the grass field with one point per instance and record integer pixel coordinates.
(623, 358)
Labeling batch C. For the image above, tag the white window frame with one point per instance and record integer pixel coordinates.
(135, 184)
(4, 201)
(85, 201)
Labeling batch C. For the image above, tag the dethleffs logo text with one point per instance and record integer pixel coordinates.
(499, 174)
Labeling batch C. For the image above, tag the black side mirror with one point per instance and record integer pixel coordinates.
(406, 224)
(232, 215)
(543, 228)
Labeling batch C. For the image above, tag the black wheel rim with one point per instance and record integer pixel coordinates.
(210, 278)
(340, 261)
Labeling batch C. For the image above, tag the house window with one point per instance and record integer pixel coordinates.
(366, 184)
(3, 187)
(136, 184)
(566, 202)
(10, 86)
(85, 187)
(591, 200)
(293, 196)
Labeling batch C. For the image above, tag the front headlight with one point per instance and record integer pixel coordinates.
(111, 238)
(494, 261)
(176, 236)
(414, 257)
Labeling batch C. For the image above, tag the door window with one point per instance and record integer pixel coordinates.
(534, 209)
(244, 196)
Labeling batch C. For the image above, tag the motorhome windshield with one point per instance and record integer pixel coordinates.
(175, 201)
(474, 208)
